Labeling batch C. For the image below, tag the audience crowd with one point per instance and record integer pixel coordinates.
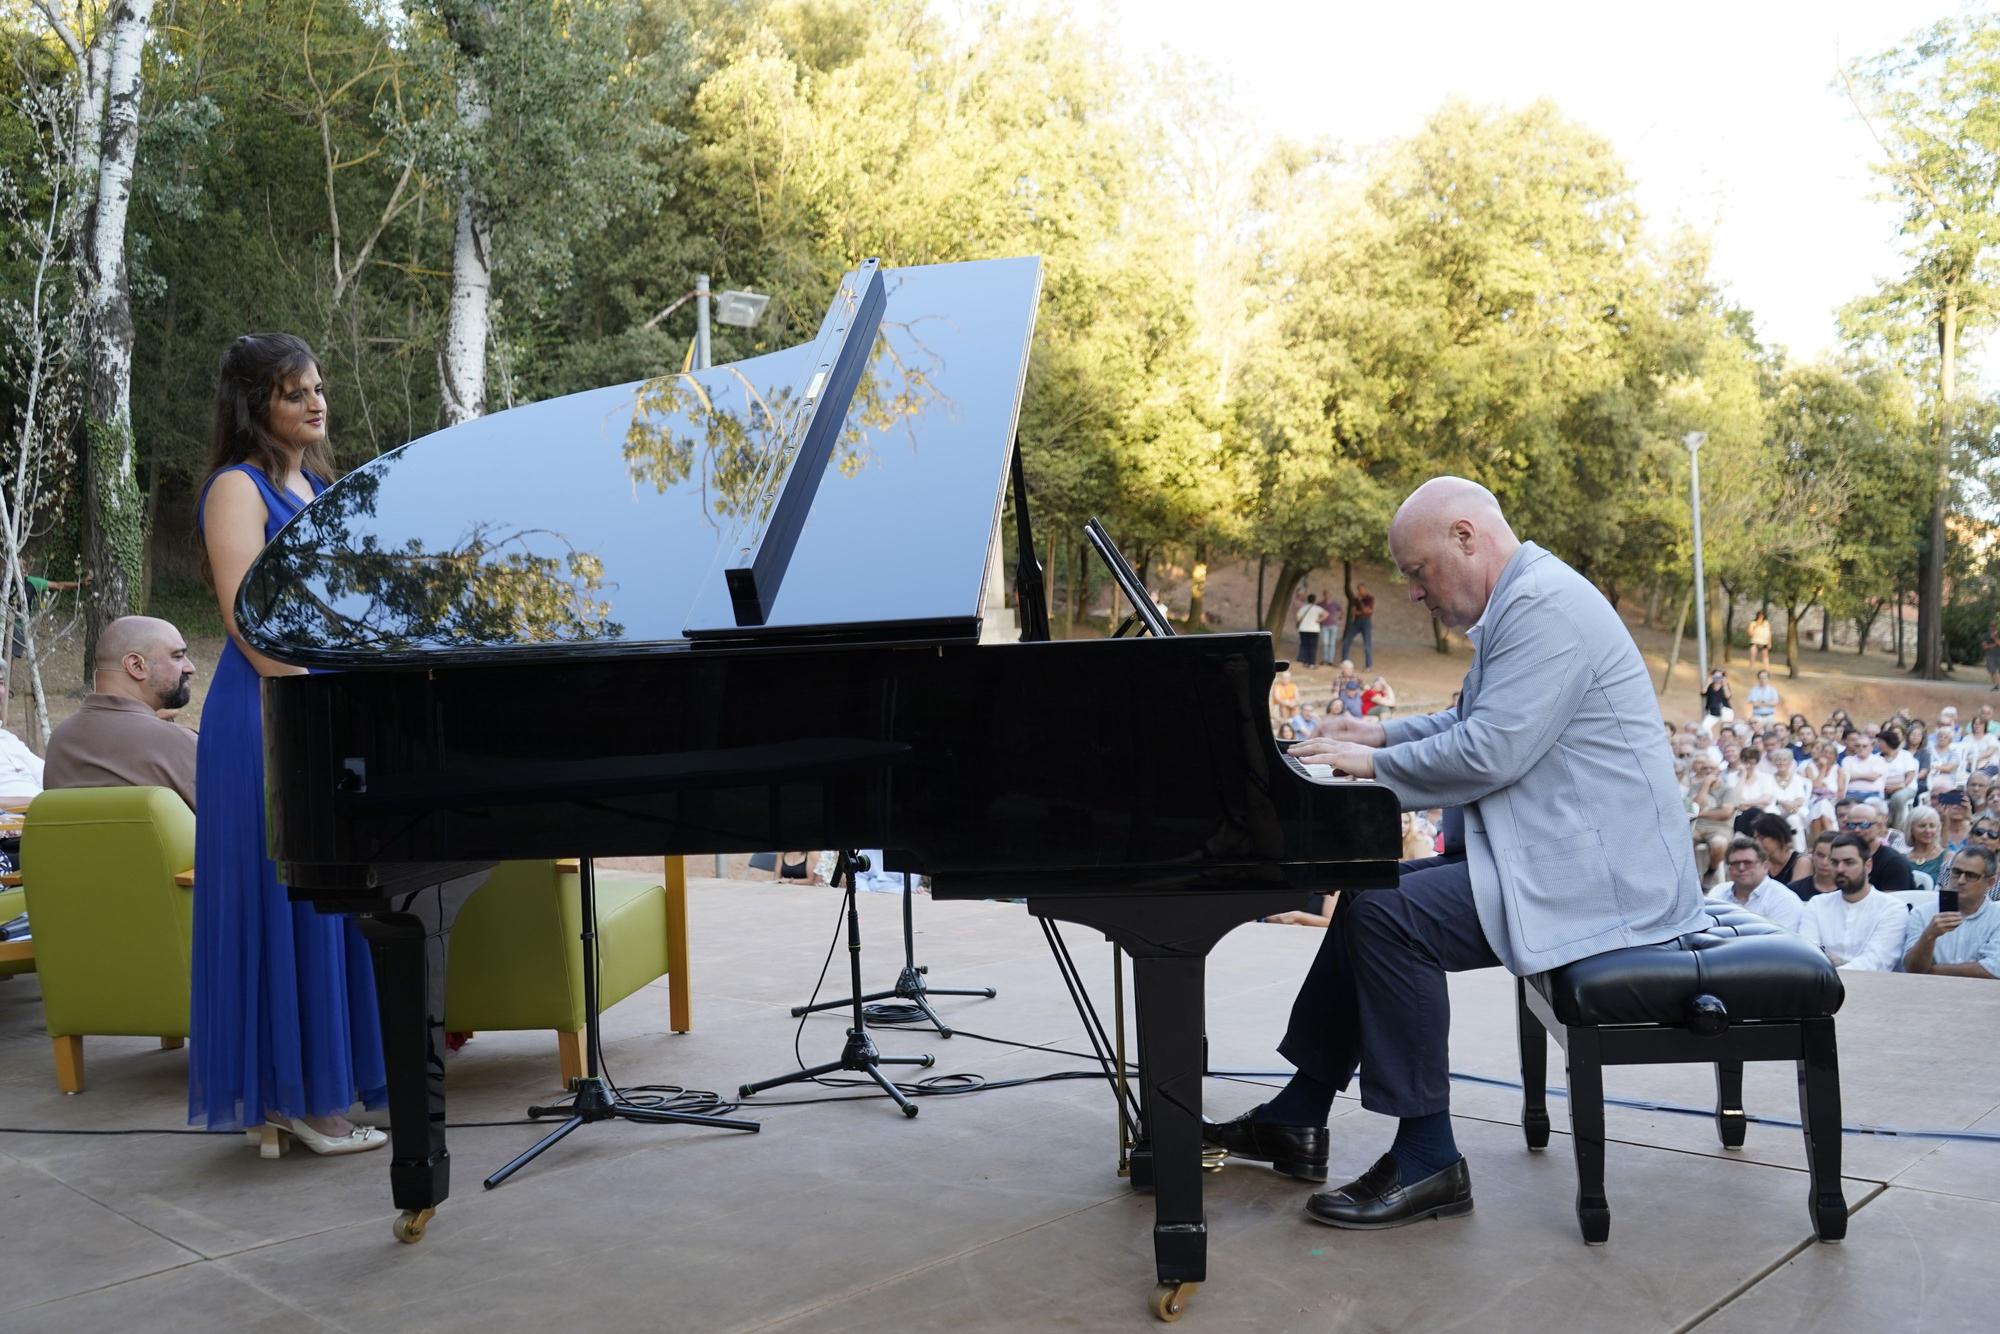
(1883, 836)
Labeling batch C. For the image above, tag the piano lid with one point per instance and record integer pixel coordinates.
(601, 521)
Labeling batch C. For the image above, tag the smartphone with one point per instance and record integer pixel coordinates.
(1947, 900)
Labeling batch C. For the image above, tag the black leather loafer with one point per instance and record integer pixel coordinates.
(1378, 1198)
(1295, 1151)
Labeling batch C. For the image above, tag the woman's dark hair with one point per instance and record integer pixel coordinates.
(253, 368)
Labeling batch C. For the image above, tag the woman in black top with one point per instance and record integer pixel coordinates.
(1715, 695)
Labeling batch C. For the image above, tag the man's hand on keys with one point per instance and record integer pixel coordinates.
(1345, 742)
(1346, 727)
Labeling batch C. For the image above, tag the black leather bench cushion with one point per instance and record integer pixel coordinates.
(1757, 970)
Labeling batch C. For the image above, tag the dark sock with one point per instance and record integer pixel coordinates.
(1303, 1102)
(1424, 1146)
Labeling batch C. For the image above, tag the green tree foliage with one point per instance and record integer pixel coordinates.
(1241, 349)
(1933, 104)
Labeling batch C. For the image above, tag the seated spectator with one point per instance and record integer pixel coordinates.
(1792, 795)
(796, 866)
(1944, 769)
(1709, 809)
(1419, 839)
(1888, 869)
(118, 738)
(1750, 887)
(1378, 700)
(1306, 725)
(1752, 791)
(1286, 732)
(1861, 767)
(1927, 849)
(1860, 928)
(1978, 786)
(1347, 690)
(1284, 698)
(1899, 776)
(1828, 788)
(20, 767)
(1985, 833)
(1683, 748)
(1783, 862)
(1965, 943)
(1820, 881)
(1957, 831)
(1982, 750)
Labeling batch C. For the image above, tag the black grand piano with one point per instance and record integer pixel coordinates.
(741, 609)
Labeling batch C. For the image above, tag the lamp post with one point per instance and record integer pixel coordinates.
(742, 309)
(1693, 440)
(701, 362)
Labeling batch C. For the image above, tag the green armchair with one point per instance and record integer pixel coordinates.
(517, 957)
(113, 933)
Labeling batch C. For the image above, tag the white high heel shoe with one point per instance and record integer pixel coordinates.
(274, 1139)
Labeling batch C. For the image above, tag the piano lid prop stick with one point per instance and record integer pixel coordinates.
(761, 554)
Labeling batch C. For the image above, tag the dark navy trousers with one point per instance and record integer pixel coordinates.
(1375, 996)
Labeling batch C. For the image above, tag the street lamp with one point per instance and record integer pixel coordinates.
(1693, 440)
(740, 308)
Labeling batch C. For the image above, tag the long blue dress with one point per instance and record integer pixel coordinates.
(283, 1017)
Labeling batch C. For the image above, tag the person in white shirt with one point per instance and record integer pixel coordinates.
(1792, 794)
(1858, 928)
(1751, 789)
(1982, 748)
(1899, 777)
(1861, 768)
(1945, 778)
(1751, 888)
(1965, 943)
(20, 768)
(1311, 616)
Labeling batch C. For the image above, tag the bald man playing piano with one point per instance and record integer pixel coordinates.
(1554, 759)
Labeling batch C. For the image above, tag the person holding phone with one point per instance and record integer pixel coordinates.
(1959, 935)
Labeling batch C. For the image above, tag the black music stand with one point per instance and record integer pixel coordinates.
(910, 985)
(595, 1100)
(859, 1055)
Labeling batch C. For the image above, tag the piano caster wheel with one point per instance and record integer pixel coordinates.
(410, 1225)
(1213, 1159)
(1170, 1300)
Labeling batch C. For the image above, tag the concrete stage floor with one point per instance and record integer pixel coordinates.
(1001, 1210)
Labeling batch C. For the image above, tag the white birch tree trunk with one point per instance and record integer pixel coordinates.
(114, 513)
(468, 319)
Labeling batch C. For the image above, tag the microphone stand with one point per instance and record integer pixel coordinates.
(859, 1055)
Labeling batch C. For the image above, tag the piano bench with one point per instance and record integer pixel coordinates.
(1738, 990)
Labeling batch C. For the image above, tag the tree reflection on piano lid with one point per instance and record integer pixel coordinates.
(594, 523)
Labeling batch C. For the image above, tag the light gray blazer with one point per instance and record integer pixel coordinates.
(1575, 835)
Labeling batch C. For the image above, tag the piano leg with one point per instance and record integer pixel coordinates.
(1168, 993)
(410, 944)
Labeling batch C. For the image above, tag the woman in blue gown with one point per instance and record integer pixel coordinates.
(285, 1037)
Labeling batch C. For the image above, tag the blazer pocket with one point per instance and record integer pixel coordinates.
(1564, 891)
